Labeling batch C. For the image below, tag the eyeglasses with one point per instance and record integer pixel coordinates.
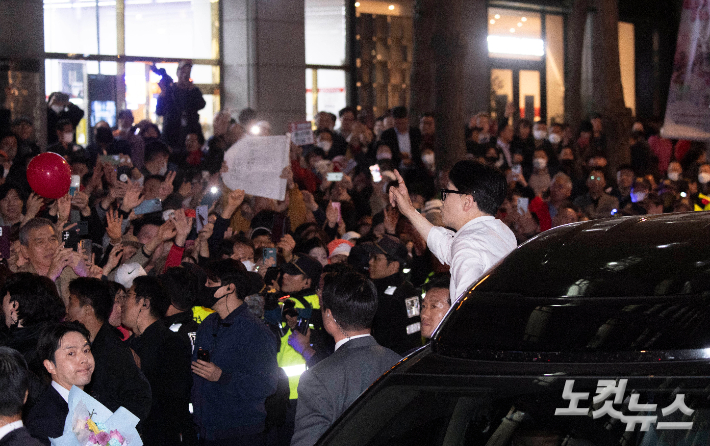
(445, 192)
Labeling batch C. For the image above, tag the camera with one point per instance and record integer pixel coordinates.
(162, 73)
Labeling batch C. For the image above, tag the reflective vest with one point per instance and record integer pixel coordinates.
(292, 362)
(200, 313)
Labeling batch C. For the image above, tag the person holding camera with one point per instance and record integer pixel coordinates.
(178, 104)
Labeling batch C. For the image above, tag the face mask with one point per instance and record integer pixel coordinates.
(384, 156)
(539, 134)
(68, 137)
(163, 170)
(637, 197)
(57, 108)
(491, 159)
(554, 138)
(248, 264)
(207, 298)
(704, 178)
(674, 176)
(540, 163)
(428, 158)
(325, 145)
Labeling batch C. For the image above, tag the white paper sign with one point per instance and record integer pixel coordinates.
(255, 164)
(301, 133)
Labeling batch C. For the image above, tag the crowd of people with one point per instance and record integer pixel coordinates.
(261, 324)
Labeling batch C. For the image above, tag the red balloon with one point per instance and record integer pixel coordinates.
(49, 175)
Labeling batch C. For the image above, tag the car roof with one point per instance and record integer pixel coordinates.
(637, 287)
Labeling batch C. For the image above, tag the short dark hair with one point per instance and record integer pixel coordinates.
(487, 184)
(347, 109)
(352, 298)
(34, 223)
(440, 280)
(95, 293)
(246, 115)
(428, 115)
(63, 123)
(399, 112)
(51, 338)
(150, 289)
(37, 298)
(155, 148)
(228, 271)
(125, 114)
(148, 219)
(14, 382)
(182, 286)
(5, 189)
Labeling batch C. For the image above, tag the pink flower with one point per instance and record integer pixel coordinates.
(117, 436)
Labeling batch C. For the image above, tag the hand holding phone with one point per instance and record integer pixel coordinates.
(336, 205)
(203, 355)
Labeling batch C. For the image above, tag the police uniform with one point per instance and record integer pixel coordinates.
(397, 323)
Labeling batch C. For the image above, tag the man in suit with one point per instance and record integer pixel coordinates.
(403, 140)
(326, 390)
(14, 382)
(66, 354)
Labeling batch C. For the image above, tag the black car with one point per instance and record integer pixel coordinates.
(595, 333)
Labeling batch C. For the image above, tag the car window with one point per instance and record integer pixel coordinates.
(523, 411)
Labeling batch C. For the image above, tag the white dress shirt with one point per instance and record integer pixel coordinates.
(61, 390)
(343, 341)
(405, 144)
(470, 252)
(6, 429)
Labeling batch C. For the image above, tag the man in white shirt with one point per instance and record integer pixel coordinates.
(66, 354)
(14, 382)
(478, 240)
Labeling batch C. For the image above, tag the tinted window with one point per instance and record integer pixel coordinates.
(495, 322)
(509, 411)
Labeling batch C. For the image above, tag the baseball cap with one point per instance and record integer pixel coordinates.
(339, 247)
(390, 246)
(126, 273)
(305, 265)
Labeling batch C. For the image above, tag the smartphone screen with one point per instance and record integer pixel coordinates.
(84, 247)
(149, 206)
(270, 253)
(75, 184)
(523, 204)
(375, 171)
(302, 325)
(334, 176)
(200, 217)
(336, 205)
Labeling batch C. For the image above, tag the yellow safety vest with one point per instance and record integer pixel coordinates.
(292, 362)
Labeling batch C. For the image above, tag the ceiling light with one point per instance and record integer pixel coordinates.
(391, 7)
(497, 16)
(512, 30)
(357, 4)
(493, 22)
(524, 19)
(519, 24)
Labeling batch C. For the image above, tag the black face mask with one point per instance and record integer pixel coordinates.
(207, 298)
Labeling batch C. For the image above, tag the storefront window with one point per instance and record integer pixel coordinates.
(70, 27)
(325, 91)
(325, 32)
(515, 34)
(555, 67)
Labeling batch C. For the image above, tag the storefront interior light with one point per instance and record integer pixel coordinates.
(519, 24)
(357, 4)
(497, 16)
(512, 30)
(524, 19)
(493, 22)
(516, 45)
(391, 7)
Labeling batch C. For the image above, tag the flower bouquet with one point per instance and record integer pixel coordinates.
(89, 423)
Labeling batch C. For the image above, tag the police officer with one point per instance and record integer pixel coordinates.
(301, 318)
(397, 323)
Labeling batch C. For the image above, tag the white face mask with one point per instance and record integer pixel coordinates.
(554, 138)
(674, 176)
(325, 145)
(428, 159)
(163, 170)
(539, 134)
(637, 197)
(68, 137)
(384, 156)
(57, 108)
(539, 163)
(704, 178)
(248, 264)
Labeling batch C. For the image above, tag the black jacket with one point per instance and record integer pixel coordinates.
(165, 361)
(397, 314)
(47, 417)
(183, 324)
(117, 381)
(389, 137)
(19, 437)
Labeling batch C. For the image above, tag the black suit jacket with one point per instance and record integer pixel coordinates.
(389, 137)
(327, 389)
(47, 417)
(19, 437)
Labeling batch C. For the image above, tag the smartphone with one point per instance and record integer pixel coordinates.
(200, 217)
(203, 355)
(523, 204)
(5, 242)
(517, 169)
(375, 171)
(84, 247)
(336, 205)
(71, 238)
(334, 176)
(149, 206)
(82, 227)
(75, 184)
(302, 325)
(168, 214)
(114, 160)
(123, 173)
(270, 253)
